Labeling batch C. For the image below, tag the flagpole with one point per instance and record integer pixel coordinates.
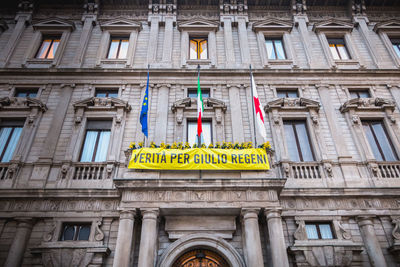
(198, 80)
(253, 112)
(146, 139)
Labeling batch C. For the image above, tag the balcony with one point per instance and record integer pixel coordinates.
(302, 170)
(385, 169)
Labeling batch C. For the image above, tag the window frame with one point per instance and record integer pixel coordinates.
(195, 89)
(105, 89)
(14, 123)
(29, 90)
(274, 46)
(299, 151)
(99, 131)
(118, 27)
(49, 27)
(52, 38)
(317, 224)
(120, 38)
(286, 91)
(377, 142)
(198, 46)
(194, 120)
(76, 233)
(335, 42)
(388, 30)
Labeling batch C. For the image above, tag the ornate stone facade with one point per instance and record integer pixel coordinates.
(246, 218)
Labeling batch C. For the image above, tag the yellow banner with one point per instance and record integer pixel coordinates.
(199, 159)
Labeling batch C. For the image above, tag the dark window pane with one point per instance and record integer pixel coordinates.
(69, 232)
(97, 139)
(396, 46)
(84, 232)
(304, 141)
(106, 93)
(193, 93)
(287, 93)
(275, 49)
(26, 93)
(379, 141)
(360, 93)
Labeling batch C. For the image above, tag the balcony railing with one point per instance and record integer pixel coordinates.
(4, 171)
(386, 170)
(91, 171)
(303, 170)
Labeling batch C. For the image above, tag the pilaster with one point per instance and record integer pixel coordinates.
(89, 20)
(22, 18)
(236, 113)
(226, 21)
(160, 132)
(252, 241)
(123, 248)
(21, 238)
(371, 241)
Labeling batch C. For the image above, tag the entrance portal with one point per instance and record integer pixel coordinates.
(200, 258)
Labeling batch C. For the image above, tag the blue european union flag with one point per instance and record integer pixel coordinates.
(145, 108)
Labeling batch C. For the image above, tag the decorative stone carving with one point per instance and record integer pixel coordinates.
(396, 229)
(355, 119)
(388, 26)
(21, 103)
(293, 104)
(25, 6)
(328, 169)
(299, 7)
(64, 170)
(233, 7)
(345, 234)
(368, 104)
(98, 235)
(300, 233)
(358, 7)
(48, 236)
(54, 24)
(91, 7)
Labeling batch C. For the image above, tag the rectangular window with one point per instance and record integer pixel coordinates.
(290, 93)
(106, 93)
(75, 231)
(338, 49)
(359, 93)
(26, 92)
(118, 48)
(379, 141)
(319, 231)
(297, 141)
(48, 47)
(193, 93)
(198, 48)
(10, 132)
(192, 132)
(96, 142)
(396, 46)
(275, 49)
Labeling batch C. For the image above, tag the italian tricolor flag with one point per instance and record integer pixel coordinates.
(200, 110)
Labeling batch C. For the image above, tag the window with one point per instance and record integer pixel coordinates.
(31, 92)
(275, 49)
(192, 132)
(396, 46)
(106, 93)
(118, 48)
(319, 231)
(193, 93)
(292, 93)
(379, 141)
(48, 47)
(96, 142)
(10, 133)
(198, 48)
(360, 93)
(75, 231)
(297, 140)
(338, 49)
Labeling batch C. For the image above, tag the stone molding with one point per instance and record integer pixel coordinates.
(198, 24)
(121, 24)
(367, 104)
(193, 241)
(392, 25)
(53, 24)
(333, 25)
(21, 103)
(272, 25)
(293, 104)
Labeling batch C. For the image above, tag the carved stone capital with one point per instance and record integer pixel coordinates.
(250, 213)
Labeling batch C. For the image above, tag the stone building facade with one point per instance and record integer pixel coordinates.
(326, 71)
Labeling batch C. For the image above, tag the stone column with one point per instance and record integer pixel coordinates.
(276, 238)
(17, 249)
(371, 242)
(148, 240)
(252, 243)
(229, 51)
(123, 247)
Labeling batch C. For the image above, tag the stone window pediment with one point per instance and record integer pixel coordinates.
(388, 26)
(273, 24)
(368, 104)
(101, 104)
(20, 104)
(198, 24)
(333, 25)
(121, 24)
(293, 104)
(191, 103)
(54, 24)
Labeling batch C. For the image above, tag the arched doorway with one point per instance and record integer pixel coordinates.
(200, 258)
